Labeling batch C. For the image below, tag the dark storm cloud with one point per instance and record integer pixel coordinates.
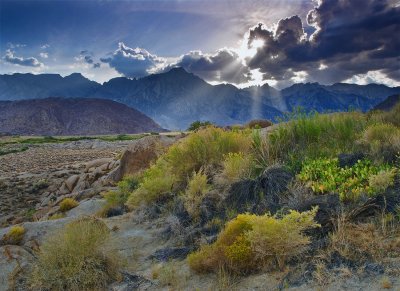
(351, 37)
(27, 62)
(132, 62)
(223, 66)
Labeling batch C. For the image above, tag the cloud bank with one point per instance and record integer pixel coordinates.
(11, 58)
(133, 62)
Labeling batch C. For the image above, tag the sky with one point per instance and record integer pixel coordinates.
(279, 42)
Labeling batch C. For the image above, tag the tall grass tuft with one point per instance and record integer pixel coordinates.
(76, 258)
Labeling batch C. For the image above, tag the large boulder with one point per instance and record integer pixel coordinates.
(15, 266)
(139, 155)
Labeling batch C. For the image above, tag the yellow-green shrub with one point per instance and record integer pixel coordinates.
(249, 242)
(202, 149)
(382, 141)
(157, 181)
(205, 147)
(195, 192)
(76, 258)
(68, 204)
(14, 236)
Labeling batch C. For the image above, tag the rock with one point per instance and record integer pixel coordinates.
(86, 208)
(103, 167)
(71, 182)
(165, 254)
(63, 189)
(97, 163)
(349, 160)
(115, 211)
(15, 267)
(131, 282)
(140, 154)
(38, 230)
(83, 183)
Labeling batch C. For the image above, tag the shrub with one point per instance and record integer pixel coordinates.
(250, 242)
(76, 258)
(68, 204)
(236, 166)
(207, 147)
(195, 192)
(14, 236)
(325, 175)
(195, 125)
(203, 149)
(382, 141)
(155, 183)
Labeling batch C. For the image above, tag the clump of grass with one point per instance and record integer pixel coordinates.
(250, 242)
(76, 258)
(382, 141)
(325, 175)
(203, 149)
(311, 136)
(364, 242)
(196, 190)
(57, 216)
(167, 274)
(382, 180)
(68, 204)
(14, 236)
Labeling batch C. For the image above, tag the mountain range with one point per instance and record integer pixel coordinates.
(176, 98)
(72, 116)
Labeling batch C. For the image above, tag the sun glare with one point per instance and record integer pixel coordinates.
(247, 52)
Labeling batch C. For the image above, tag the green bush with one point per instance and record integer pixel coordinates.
(76, 258)
(324, 175)
(250, 242)
(204, 149)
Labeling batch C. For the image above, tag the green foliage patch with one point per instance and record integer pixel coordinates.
(324, 175)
